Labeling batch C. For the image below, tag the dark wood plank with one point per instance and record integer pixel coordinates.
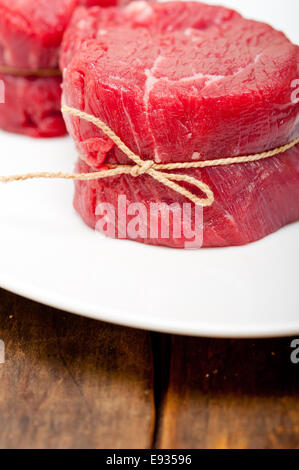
(70, 382)
(231, 394)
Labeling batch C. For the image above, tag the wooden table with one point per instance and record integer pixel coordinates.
(71, 382)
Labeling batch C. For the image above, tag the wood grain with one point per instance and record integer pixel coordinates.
(70, 382)
(231, 395)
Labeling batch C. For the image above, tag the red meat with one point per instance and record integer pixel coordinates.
(31, 32)
(30, 37)
(32, 106)
(103, 3)
(252, 200)
(189, 82)
(94, 23)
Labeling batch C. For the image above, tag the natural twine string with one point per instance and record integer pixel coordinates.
(149, 167)
(16, 72)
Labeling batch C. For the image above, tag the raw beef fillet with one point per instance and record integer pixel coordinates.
(31, 32)
(32, 106)
(189, 82)
(30, 37)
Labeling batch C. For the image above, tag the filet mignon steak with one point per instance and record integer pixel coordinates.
(182, 82)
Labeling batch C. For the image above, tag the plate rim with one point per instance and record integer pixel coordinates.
(125, 319)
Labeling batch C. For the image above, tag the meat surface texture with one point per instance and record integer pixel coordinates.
(181, 82)
(31, 32)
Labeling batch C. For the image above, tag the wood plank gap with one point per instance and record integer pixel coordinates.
(161, 350)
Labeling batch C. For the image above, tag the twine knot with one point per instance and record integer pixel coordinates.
(178, 182)
(139, 170)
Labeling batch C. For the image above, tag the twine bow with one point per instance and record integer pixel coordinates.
(153, 169)
(149, 167)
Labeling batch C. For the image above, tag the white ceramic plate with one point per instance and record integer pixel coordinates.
(49, 255)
